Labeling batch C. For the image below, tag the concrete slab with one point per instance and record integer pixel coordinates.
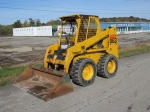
(128, 91)
(19, 49)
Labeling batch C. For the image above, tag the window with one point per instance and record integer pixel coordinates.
(83, 29)
(92, 28)
(93, 24)
(134, 28)
(121, 29)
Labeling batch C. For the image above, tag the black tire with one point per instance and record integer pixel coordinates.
(102, 66)
(78, 74)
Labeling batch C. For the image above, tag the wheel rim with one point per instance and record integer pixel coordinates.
(87, 72)
(111, 67)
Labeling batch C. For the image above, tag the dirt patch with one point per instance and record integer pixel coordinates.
(126, 39)
(6, 46)
(134, 44)
(17, 49)
(5, 53)
(25, 57)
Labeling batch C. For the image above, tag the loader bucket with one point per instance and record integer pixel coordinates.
(44, 83)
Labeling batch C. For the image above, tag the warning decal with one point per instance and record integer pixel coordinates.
(113, 39)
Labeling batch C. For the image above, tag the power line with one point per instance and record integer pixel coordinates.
(139, 0)
(71, 12)
(72, 7)
(20, 18)
(10, 18)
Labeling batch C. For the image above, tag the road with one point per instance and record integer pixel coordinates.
(128, 91)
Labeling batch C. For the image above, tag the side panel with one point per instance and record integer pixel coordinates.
(50, 50)
(113, 42)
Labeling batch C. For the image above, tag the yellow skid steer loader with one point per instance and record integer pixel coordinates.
(82, 52)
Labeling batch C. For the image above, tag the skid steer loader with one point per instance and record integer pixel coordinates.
(82, 52)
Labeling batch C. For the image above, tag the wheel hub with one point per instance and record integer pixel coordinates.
(111, 66)
(87, 72)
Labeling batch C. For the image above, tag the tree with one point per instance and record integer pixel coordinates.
(124, 19)
(32, 23)
(25, 24)
(43, 24)
(57, 22)
(54, 22)
(6, 30)
(51, 22)
(17, 24)
(37, 22)
(131, 18)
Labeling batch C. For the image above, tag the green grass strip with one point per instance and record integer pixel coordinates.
(8, 74)
(134, 51)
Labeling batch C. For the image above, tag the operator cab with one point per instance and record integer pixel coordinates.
(67, 38)
(68, 32)
(75, 29)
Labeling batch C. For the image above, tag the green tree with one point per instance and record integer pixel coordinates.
(6, 30)
(17, 24)
(131, 18)
(31, 21)
(25, 24)
(43, 24)
(51, 22)
(37, 22)
(57, 22)
(124, 19)
(54, 22)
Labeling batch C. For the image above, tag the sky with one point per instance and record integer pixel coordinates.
(45, 10)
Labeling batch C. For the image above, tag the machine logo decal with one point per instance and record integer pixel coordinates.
(113, 39)
(78, 52)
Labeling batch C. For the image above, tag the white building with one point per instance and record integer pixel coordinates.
(33, 31)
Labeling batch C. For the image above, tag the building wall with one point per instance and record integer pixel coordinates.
(122, 28)
(33, 31)
(127, 26)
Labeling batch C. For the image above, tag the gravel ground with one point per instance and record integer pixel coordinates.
(17, 50)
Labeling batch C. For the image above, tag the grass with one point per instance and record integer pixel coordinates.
(134, 51)
(9, 74)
